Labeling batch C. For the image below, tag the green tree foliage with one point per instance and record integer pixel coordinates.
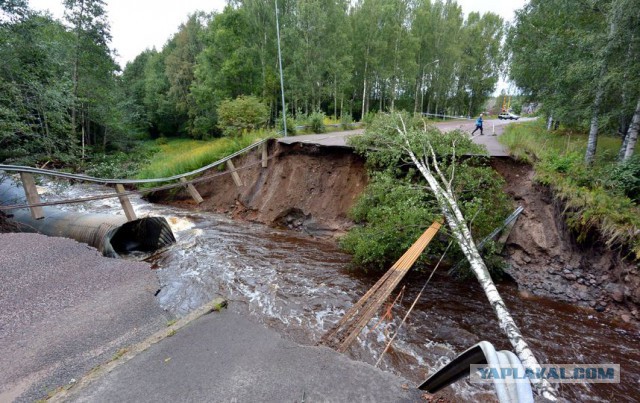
(580, 60)
(244, 113)
(35, 90)
(397, 207)
(92, 70)
(338, 56)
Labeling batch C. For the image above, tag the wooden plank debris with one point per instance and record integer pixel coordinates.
(352, 323)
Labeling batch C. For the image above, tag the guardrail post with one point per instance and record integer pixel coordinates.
(234, 174)
(192, 191)
(265, 154)
(30, 190)
(126, 204)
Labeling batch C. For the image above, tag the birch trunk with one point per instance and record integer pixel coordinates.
(364, 85)
(592, 143)
(460, 231)
(632, 133)
(593, 131)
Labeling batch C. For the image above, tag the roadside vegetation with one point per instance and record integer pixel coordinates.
(397, 206)
(178, 156)
(600, 199)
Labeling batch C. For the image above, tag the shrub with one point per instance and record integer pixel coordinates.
(316, 122)
(347, 121)
(242, 114)
(367, 119)
(291, 125)
(626, 178)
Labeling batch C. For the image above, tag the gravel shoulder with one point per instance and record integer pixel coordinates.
(64, 309)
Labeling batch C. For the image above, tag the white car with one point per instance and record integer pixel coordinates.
(508, 116)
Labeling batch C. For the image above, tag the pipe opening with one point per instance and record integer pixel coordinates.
(144, 235)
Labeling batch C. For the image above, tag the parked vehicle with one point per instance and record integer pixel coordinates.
(508, 116)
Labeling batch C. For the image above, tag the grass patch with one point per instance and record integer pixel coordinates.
(177, 156)
(594, 196)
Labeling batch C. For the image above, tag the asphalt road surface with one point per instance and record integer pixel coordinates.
(492, 129)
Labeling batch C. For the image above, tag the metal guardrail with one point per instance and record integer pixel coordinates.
(106, 181)
(443, 116)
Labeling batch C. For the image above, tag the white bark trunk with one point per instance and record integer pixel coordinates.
(459, 229)
(632, 133)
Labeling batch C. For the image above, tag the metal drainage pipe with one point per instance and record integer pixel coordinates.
(112, 235)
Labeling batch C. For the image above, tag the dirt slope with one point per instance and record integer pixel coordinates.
(546, 260)
(304, 187)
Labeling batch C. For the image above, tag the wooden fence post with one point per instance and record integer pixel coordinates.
(192, 191)
(126, 204)
(30, 190)
(234, 174)
(265, 154)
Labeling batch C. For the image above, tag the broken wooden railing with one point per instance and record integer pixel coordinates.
(35, 205)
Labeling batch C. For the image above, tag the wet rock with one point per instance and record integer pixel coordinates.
(616, 292)
(599, 308)
(617, 296)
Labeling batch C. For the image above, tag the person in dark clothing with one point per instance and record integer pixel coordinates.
(478, 125)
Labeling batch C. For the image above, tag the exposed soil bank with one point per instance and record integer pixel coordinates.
(546, 260)
(304, 187)
(311, 189)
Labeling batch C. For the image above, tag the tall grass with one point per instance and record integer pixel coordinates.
(592, 200)
(178, 156)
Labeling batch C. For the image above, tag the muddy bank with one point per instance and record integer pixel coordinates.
(304, 187)
(546, 260)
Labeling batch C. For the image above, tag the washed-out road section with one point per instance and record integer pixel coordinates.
(492, 129)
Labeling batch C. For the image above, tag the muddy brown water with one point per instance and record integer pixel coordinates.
(301, 286)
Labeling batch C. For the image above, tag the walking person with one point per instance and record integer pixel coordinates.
(478, 125)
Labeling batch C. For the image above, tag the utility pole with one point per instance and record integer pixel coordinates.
(284, 109)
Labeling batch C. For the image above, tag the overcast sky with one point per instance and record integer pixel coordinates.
(140, 24)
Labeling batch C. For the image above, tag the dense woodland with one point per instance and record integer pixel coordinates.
(62, 96)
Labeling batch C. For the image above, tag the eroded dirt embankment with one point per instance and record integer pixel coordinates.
(546, 260)
(304, 187)
(312, 189)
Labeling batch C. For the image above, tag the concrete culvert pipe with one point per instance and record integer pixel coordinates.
(112, 235)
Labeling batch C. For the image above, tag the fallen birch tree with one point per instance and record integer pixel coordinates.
(415, 143)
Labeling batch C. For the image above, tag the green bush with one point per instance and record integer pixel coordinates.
(316, 122)
(626, 178)
(121, 165)
(368, 118)
(243, 114)
(291, 125)
(347, 121)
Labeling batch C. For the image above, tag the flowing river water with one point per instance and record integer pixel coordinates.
(301, 286)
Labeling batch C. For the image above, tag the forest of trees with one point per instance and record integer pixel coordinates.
(62, 93)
